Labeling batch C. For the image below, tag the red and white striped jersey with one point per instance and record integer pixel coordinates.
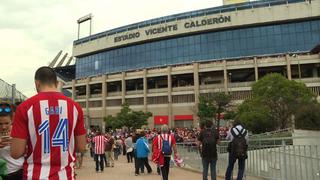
(167, 137)
(49, 121)
(99, 144)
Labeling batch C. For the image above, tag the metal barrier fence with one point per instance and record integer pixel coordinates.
(268, 158)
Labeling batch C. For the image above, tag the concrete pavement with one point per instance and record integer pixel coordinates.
(125, 171)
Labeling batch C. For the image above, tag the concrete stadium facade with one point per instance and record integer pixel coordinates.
(163, 65)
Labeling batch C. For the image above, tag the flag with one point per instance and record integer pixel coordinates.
(161, 120)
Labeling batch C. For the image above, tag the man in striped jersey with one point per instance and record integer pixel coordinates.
(163, 145)
(99, 150)
(51, 126)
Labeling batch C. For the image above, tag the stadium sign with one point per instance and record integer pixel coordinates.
(205, 22)
(173, 27)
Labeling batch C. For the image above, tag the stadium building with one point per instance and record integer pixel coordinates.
(162, 65)
(9, 93)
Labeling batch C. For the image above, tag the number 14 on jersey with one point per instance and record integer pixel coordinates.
(60, 135)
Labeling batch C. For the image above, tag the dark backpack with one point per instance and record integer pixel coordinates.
(239, 144)
(209, 147)
(166, 146)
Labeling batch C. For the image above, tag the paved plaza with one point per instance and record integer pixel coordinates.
(124, 171)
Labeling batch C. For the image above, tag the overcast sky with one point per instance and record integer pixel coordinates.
(33, 32)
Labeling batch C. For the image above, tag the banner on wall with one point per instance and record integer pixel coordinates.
(159, 120)
(183, 117)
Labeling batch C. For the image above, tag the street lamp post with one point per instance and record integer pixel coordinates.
(229, 82)
(299, 70)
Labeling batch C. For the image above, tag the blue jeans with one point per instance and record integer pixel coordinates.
(241, 166)
(205, 165)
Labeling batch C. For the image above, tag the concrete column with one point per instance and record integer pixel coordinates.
(256, 71)
(73, 89)
(88, 121)
(196, 91)
(225, 76)
(123, 87)
(288, 61)
(171, 122)
(104, 95)
(145, 89)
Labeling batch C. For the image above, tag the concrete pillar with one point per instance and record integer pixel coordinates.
(288, 61)
(73, 89)
(145, 89)
(256, 71)
(196, 91)
(88, 121)
(104, 95)
(171, 122)
(225, 76)
(123, 87)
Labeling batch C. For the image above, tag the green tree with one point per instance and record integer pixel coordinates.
(211, 106)
(308, 117)
(255, 116)
(230, 115)
(221, 101)
(275, 100)
(138, 119)
(111, 122)
(206, 109)
(129, 118)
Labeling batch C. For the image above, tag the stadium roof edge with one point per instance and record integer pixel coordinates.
(185, 15)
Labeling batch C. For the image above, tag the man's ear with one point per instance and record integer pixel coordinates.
(37, 84)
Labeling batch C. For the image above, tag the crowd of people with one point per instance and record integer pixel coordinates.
(135, 146)
(43, 136)
(105, 149)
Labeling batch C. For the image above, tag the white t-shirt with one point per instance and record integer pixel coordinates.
(13, 165)
(239, 128)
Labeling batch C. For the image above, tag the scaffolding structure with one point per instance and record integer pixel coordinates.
(9, 93)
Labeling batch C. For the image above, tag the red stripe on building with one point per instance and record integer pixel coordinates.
(159, 120)
(183, 117)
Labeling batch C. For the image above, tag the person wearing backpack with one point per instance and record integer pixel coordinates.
(142, 152)
(163, 144)
(237, 149)
(207, 142)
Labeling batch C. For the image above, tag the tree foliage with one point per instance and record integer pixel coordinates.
(308, 117)
(206, 108)
(275, 100)
(211, 106)
(230, 115)
(221, 101)
(128, 118)
(255, 116)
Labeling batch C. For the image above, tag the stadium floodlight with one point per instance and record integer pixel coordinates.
(84, 19)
